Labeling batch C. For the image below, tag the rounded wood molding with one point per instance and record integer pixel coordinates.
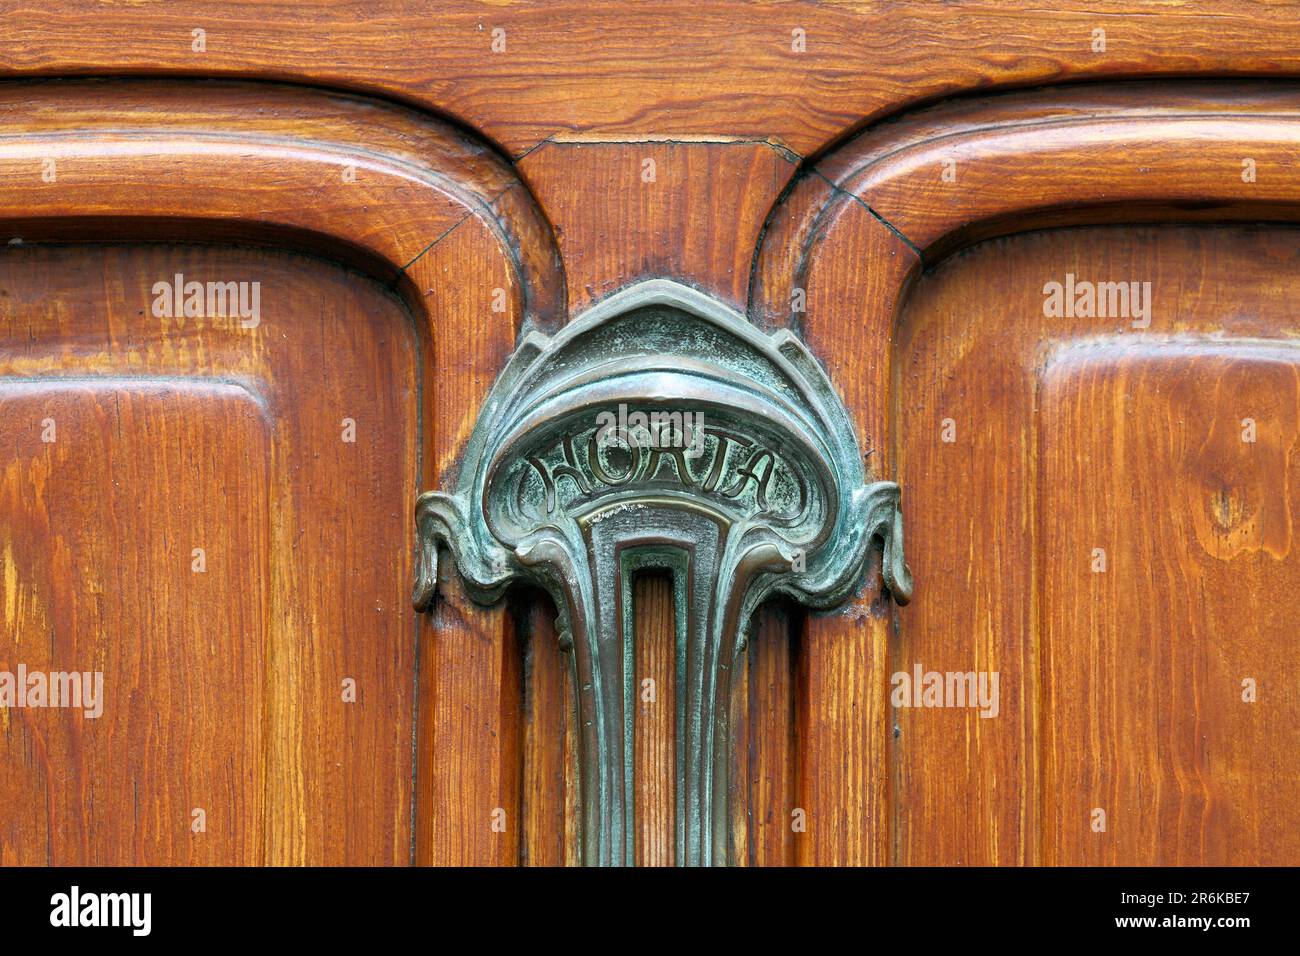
(842, 247)
(370, 183)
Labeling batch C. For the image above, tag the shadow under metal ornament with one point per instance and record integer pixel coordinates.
(661, 430)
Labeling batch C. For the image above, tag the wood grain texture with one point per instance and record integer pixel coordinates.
(466, 259)
(470, 659)
(546, 733)
(582, 68)
(654, 768)
(1023, 161)
(950, 175)
(365, 182)
(769, 771)
(468, 788)
(224, 690)
(844, 726)
(181, 724)
(469, 248)
(1149, 721)
(1121, 690)
(1020, 161)
(629, 211)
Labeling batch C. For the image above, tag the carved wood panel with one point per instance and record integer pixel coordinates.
(1018, 422)
(213, 442)
(475, 231)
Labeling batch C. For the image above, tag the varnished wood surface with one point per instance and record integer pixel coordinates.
(827, 239)
(471, 702)
(176, 731)
(476, 247)
(1121, 690)
(654, 760)
(768, 776)
(354, 178)
(591, 69)
(452, 232)
(843, 727)
(223, 689)
(546, 732)
(1150, 151)
(629, 211)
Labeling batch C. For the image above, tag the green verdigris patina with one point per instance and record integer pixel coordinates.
(661, 430)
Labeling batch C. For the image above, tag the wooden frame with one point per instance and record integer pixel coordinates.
(446, 222)
(370, 183)
(1024, 161)
(439, 218)
(802, 73)
(838, 258)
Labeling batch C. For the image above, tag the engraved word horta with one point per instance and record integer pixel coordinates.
(740, 475)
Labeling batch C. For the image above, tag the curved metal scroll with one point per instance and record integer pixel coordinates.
(661, 430)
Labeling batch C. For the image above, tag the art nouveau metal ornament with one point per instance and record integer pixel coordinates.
(661, 430)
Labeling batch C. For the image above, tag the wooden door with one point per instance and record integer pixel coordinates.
(299, 310)
(218, 403)
(1077, 305)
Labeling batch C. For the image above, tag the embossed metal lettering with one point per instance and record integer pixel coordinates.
(661, 430)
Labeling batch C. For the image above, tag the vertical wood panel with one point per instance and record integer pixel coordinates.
(180, 652)
(332, 776)
(341, 771)
(572, 785)
(545, 730)
(470, 734)
(968, 506)
(844, 783)
(697, 221)
(770, 738)
(655, 721)
(844, 721)
(1146, 662)
(1121, 689)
